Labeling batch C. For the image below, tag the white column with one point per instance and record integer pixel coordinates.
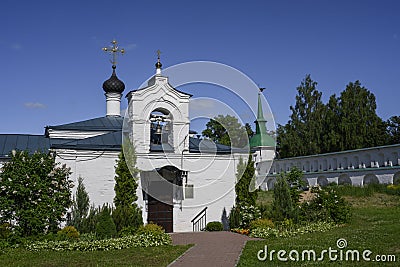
(113, 104)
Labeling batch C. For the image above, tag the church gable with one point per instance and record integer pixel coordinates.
(159, 116)
(159, 94)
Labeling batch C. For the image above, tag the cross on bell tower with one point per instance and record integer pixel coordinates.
(158, 64)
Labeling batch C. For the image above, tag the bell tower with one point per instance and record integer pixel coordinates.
(159, 116)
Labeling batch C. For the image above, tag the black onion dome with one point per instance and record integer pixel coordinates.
(158, 64)
(113, 85)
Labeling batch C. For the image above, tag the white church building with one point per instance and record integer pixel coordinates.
(184, 182)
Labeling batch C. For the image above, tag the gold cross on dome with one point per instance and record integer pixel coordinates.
(114, 50)
(158, 54)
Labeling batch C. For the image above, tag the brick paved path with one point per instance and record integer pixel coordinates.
(210, 249)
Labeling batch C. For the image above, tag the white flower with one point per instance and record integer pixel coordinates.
(14, 152)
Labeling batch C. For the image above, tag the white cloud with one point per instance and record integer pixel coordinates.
(16, 46)
(202, 104)
(34, 105)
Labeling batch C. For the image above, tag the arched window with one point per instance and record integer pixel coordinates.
(370, 179)
(322, 181)
(396, 178)
(344, 179)
(161, 130)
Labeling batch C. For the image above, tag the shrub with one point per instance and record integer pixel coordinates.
(265, 210)
(214, 226)
(127, 217)
(326, 206)
(5, 230)
(234, 218)
(261, 223)
(241, 216)
(282, 206)
(282, 233)
(80, 207)
(90, 222)
(248, 214)
(4, 245)
(88, 237)
(150, 228)
(143, 240)
(393, 189)
(35, 193)
(68, 233)
(295, 184)
(105, 227)
(127, 231)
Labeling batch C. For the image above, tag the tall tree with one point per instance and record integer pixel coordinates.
(393, 128)
(244, 178)
(302, 134)
(331, 137)
(359, 126)
(126, 213)
(227, 130)
(80, 207)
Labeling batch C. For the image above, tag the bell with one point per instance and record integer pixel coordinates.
(166, 127)
(158, 130)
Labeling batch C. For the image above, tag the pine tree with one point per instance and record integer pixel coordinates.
(105, 227)
(393, 128)
(282, 206)
(244, 177)
(359, 126)
(126, 213)
(302, 135)
(80, 207)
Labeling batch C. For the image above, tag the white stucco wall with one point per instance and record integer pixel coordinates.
(97, 168)
(380, 162)
(213, 178)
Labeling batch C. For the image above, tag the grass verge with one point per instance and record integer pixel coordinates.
(374, 226)
(150, 256)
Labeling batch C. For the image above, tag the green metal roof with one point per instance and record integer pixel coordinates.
(261, 137)
(259, 140)
(108, 123)
(22, 142)
(108, 142)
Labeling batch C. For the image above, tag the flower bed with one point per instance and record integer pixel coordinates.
(308, 228)
(139, 240)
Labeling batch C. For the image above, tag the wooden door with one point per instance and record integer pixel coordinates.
(160, 213)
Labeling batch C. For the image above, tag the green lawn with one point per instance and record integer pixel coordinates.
(375, 226)
(151, 256)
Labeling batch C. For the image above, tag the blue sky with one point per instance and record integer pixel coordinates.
(53, 66)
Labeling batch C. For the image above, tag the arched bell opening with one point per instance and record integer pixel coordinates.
(161, 130)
